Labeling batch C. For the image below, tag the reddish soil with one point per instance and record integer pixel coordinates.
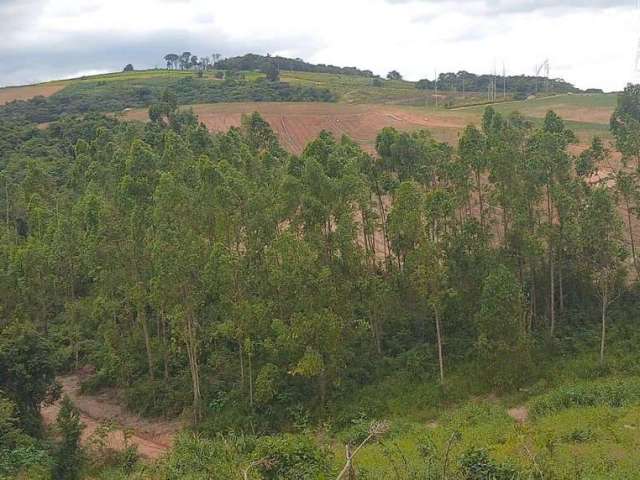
(10, 94)
(298, 123)
(152, 437)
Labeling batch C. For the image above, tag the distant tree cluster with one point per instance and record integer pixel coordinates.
(522, 85)
(104, 96)
(252, 61)
(394, 75)
(188, 61)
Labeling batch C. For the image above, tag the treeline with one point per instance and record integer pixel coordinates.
(115, 96)
(519, 85)
(252, 61)
(218, 274)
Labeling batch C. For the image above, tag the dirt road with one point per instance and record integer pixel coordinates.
(152, 437)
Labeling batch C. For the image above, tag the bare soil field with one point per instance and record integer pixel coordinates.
(9, 94)
(151, 437)
(298, 123)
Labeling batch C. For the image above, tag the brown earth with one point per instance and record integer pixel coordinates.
(9, 94)
(151, 437)
(298, 123)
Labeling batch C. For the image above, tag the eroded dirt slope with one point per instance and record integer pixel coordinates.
(152, 437)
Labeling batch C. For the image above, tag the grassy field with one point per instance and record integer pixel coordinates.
(576, 420)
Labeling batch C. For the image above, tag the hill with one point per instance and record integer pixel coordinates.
(357, 106)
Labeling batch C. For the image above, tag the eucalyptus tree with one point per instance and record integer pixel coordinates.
(429, 275)
(406, 220)
(626, 185)
(603, 251)
(625, 124)
(548, 149)
(472, 151)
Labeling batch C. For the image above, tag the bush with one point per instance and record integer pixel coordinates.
(291, 457)
(477, 465)
(158, 397)
(616, 393)
(194, 457)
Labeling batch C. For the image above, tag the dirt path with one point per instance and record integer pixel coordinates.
(152, 437)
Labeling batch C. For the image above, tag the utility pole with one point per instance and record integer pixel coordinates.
(504, 82)
(436, 94)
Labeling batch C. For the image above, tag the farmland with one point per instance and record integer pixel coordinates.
(360, 111)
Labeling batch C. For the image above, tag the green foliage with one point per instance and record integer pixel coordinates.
(80, 98)
(27, 372)
(196, 458)
(218, 276)
(290, 457)
(502, 342)
(477, 465)
(613, 393)
(19, 453)
(68, 455)
(258, 62)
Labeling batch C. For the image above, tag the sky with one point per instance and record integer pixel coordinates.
(591, 43)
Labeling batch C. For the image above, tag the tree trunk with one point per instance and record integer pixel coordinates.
(439, 336)
(241, 354)
(165, 345)
(561, 288)
(250, 365)
(480, 199)
(192, 353)
(605, 299)
(631, 239)
(142, 318)
(552, 276)
(383, 218)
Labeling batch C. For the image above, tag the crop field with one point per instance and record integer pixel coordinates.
(298, 123)
(9, 94)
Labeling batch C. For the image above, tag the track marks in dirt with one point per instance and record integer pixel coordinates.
(298, 123)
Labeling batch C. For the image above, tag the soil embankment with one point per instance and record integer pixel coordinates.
(151, 437)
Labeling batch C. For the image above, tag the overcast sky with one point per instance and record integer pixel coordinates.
(591, 43)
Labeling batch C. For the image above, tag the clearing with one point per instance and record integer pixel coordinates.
(298, 123)
(9, 94)
(151, 437)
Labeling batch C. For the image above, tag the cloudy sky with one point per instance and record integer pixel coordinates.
(591, 43)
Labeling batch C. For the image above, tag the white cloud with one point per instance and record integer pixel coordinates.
(590, 43)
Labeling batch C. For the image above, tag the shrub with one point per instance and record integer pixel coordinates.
(616, 393)
(194, 457)
(291, 457)
(477, 465)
